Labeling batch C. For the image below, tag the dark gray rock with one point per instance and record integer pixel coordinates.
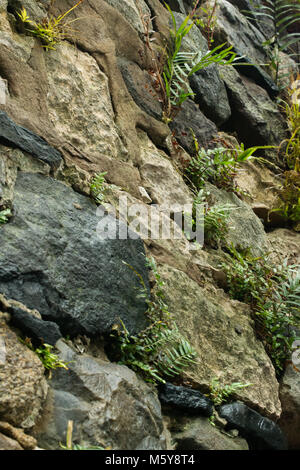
(254, 116)
(290, 401)
(53, 259)
(256, 73)
(39, 331)
(261, 433)
(187, 399)
(233, 27)
(108, 403)
(17, 136)
(140, 86)
(175, 5)
(190, 117)
(211, 95)
(249, 8)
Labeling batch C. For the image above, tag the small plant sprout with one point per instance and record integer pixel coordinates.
(50, 30)
(4, 216)
(219, 394)
(97, 187)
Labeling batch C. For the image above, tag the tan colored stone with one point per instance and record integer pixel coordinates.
(23, 387)
(285, 244)
(221, 331)
(27, 442)
(164, 184)
(6, 443)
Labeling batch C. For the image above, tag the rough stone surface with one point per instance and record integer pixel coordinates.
(196, 433)
(140, 86)
(12, 160)
(221, 331)
(17, 136)
(256, 73)
(255, 117)
(163, 183)
(261, 433)
(39, 331)
(27, 442)
(23, 388)
(285, 245)
(176, 5)
(232, 27)
(62, 268)
(187, 399)
(190, 117)
(79, 104)
(244, 227)
(6, 443)
(290, 401)
(211, 95)
(108, 404)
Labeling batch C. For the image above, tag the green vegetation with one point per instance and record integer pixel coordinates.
(45, 354)
(219, 394)
(181, 65)
(219, 165)
(97, 187)
(283, 15)
(51, 30)
(290, 191)
(160, 350)
(215, 219)
(4, 216)
(273, 292)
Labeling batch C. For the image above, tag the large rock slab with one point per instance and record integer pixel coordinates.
(232, 27)
(290, 400)
(108, 404)
(23, 388)
(211, 95)
(53, 260)
(255, 117)
(261, 433)
(190, 117)
(79, 104)
(140, 86)
(222, 332)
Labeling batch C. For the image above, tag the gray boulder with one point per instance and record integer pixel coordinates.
(107, 403)
(53, 260)
(261, 433)
(290, 400)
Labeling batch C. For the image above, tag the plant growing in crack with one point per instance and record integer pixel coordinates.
(50, 30)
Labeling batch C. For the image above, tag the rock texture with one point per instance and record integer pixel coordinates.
(109, 405)
(244, 227)
(17, 136)
(70, 275)
(261, 433)
(23, 388)
(255, 116)
(222, 333)
(191, 401)
(197, 433)
(290, 399)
